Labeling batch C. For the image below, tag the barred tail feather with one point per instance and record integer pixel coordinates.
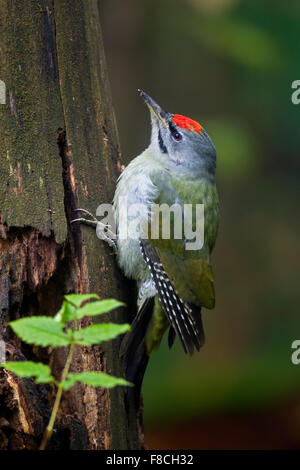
(185, 319)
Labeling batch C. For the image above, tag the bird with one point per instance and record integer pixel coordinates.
(175, 281)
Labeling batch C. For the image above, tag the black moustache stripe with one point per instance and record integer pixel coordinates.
(162, 146)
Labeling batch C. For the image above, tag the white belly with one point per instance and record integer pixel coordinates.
(134, 195)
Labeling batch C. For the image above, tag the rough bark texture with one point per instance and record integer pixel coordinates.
(58, 150)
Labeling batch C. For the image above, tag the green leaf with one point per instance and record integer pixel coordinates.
(78, 299)
(96, 334)
(98, 308)
(41, 331)
(66, 313)
(67, 384)
(41, 372)
(97, 379)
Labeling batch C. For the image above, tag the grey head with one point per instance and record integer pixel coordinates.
(181, 143)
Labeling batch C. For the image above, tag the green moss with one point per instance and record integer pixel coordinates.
(29, 121)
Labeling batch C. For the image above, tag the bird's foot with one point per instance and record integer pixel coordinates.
(103, 231)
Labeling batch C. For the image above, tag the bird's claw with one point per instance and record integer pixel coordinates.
(103, 230)
(93, 223)
(85, 212)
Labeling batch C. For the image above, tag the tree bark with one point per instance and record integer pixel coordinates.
(59, 150)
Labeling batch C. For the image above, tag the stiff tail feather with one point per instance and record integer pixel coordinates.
(133, 352)
(184, 318)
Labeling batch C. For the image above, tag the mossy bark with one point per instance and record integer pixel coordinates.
(59, 150)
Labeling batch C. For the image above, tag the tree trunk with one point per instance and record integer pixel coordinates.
(59, 150)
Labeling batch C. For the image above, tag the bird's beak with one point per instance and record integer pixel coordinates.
(155, 109)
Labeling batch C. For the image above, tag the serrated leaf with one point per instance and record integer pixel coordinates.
(97, 379)
(98, 308)
(41, 331)
(96, 334)
(78, 299)
(41, 372)
(66, 313)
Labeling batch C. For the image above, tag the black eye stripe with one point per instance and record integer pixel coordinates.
(175, 134)
(172, 128)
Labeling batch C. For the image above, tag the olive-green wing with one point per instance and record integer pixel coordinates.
(192, 278)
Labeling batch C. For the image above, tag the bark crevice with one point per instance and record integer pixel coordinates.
(63, 82)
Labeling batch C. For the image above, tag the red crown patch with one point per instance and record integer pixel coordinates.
(186, 123)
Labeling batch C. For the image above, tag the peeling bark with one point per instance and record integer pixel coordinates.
(59, 151)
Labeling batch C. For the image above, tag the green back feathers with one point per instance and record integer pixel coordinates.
(188, 270)
(192, 278)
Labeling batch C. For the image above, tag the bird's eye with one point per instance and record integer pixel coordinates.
(177, 136)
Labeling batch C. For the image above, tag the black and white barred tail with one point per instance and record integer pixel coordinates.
(185, 319)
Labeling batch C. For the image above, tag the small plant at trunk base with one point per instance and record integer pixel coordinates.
(54, 332)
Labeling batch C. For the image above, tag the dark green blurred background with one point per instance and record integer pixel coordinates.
(228, 64)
